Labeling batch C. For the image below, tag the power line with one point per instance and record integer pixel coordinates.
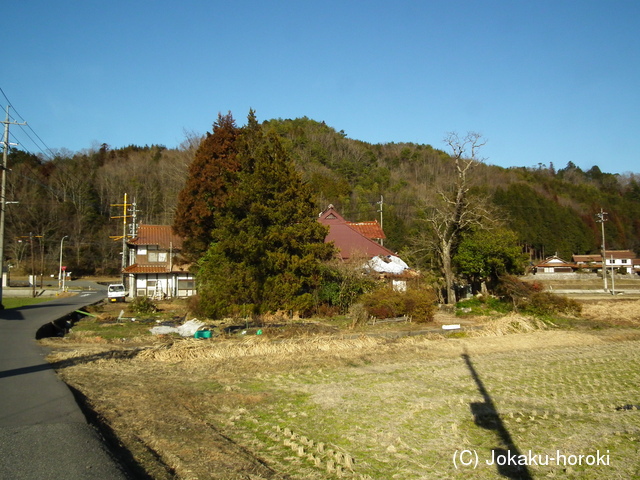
(49, 153)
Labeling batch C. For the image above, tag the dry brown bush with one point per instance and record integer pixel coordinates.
(613, 311)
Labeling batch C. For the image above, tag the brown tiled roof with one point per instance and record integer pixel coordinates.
(349, 241)
(371, 230)
(155, 268)
(160, 235)
(137, 268)
(587, 258)
(554, 262)
(596, 257)
(619, 254)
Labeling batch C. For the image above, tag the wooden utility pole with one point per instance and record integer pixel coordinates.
(124, 235)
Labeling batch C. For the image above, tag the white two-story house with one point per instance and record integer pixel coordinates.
(622, 260)
(154, 270)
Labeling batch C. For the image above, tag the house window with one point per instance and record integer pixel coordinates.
(624, 260)
(186, 288)
(186, 284)
(157, 257)
(151, 287)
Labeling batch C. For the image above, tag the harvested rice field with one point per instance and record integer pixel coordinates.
(517, 399)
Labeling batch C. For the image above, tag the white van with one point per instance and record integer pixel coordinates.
(116, 292)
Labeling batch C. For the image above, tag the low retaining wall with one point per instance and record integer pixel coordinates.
(565, 291)
(579, 276)
(28, 292)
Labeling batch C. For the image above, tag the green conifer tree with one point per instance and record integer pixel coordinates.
(269, 246)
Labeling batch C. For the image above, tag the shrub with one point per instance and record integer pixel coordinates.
(342, 284)
(193, 306)
(547, 303)
(416, 302)
(512, 288)
(143, 306)
(358, 314)
(483, 305)
(529, 298)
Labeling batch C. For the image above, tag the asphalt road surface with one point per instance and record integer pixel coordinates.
(43, 433)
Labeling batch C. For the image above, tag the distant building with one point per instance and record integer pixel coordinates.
(625, 260)
(155, 271)
(353, 240)
(372, 230)
(554, 264)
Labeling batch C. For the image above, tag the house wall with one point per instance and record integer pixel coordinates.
(150, 285)
(557, 270)
(169, 284)
(164, 284)
(151, 254)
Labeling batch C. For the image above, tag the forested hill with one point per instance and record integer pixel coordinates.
(552, 211)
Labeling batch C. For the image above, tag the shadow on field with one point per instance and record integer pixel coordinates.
(70, 362)
(486, 415)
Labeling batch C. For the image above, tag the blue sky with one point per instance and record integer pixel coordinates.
(544, 81)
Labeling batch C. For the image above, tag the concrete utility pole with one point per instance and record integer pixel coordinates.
(601, 219)
(3, 194)
(613, 278)
(381, 203)
(60, 268)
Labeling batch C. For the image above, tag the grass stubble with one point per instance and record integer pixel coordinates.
(368, 407)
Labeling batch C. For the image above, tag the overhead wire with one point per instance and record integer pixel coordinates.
(49, 155)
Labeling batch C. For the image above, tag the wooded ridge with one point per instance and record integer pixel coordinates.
(551, 210)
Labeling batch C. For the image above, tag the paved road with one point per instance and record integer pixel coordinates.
(43, 433)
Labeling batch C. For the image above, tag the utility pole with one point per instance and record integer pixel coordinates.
(33, 280)
(124, 235)
(3, 194)
(601, 218)
(613, 277)
(381, 203)
(60, 271)
(33, 268)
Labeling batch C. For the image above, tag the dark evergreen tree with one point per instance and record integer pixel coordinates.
(269, 246)
(212, 175)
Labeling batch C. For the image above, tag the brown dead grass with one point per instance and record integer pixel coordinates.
(619, 313)
(181, 405)
(253, 347)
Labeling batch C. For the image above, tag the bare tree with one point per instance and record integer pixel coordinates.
(453, 211)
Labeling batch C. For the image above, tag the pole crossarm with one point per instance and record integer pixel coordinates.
(127, 213)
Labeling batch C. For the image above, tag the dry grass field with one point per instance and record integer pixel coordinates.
(364, 407)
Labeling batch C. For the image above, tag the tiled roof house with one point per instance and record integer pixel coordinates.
(154, 271)
(620, 259)
(353, 240)
(371, 230)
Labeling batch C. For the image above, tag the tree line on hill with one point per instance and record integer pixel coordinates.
(536, 210)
